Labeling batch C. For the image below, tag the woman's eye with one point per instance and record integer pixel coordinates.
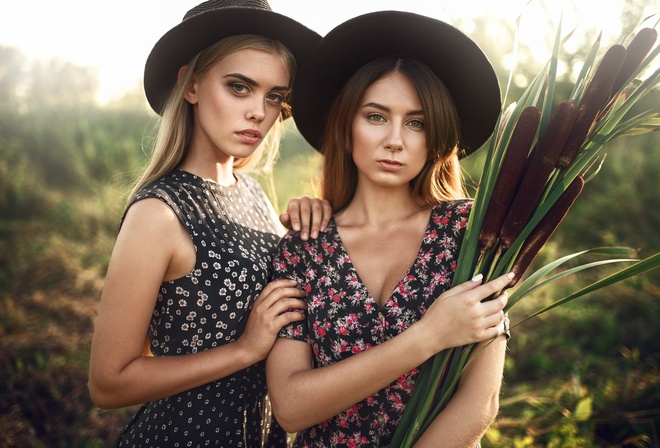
(239, 88)
(416, 124)
(276, 98)
(376, 118)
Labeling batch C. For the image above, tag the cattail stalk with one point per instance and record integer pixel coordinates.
(510, 173)
(544, 229)
(540, 166)
(637, 50)
(595, 97)
(438, 378)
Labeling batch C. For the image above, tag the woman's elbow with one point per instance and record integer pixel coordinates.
(290, 406)
(100, 399)
(289, 426)
(492, 408)
(102, 393)
(285, 413)
(288, 384)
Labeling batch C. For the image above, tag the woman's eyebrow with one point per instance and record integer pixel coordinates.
(387, 109)
(252, 82)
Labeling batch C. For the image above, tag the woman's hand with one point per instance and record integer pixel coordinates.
(459, 317)
(274, 308)
(307, 216)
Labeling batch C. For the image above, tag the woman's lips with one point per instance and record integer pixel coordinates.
(390, 165)
(250, 136)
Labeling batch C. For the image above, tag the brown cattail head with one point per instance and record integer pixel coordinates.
(541, 163)
(544, 229)
(510, 174)
(635, 53)
(595, 97)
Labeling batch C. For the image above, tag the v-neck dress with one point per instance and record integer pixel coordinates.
(234, 234)
(344, 320)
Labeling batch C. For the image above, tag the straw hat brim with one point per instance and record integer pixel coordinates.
(455, 58)
(180, 44)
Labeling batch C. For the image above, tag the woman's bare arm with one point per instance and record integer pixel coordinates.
(475, 404)
(152, 246)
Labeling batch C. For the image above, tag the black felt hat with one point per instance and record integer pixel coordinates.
(455, 58)
(210, 22)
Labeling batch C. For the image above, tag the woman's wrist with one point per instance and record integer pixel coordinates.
(421, 340)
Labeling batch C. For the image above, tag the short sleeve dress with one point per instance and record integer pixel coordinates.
(234, 236)
(344, 320)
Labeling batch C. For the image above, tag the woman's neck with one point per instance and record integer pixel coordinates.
(380, 207)
(206, 167)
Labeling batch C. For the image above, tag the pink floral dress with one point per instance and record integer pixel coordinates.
(344, 320)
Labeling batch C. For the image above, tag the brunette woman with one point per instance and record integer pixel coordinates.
(392, 100)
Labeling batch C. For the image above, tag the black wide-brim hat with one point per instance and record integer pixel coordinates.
(209, 22)
(455, 58)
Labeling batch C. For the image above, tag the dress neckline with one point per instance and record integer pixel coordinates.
(211, 182)
(406, 274)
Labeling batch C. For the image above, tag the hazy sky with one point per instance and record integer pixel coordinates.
(116, 36)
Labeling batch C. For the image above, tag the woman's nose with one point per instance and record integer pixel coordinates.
(257, 112)
(394, 142)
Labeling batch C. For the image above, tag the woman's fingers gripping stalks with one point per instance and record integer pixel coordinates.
(459, 317)
(306, 215)
(275, 307)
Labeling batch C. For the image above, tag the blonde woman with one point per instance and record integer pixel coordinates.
(190, 269)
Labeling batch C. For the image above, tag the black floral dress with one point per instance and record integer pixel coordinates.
(344, 320)
(234, 235)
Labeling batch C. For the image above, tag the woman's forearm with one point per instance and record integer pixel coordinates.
(475, 404)
(303, 397)
(148, 378)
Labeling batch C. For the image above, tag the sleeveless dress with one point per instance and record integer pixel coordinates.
(344, 320)
(235, 236)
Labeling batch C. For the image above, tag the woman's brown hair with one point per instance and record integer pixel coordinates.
(440, 178)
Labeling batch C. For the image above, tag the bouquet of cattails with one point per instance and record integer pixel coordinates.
(537, 164)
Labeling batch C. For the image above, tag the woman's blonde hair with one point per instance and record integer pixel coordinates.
(176, 124)
(439, 180)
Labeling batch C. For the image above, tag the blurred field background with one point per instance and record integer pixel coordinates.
(585, 374)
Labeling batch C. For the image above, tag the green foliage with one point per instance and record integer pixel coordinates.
(298, 168)
(49, 294)
(18, 182)
(77, 146)
(613, 406)
(632, 166)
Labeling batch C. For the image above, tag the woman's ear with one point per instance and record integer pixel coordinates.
(190, 93)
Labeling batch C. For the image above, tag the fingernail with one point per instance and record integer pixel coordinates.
(304, 236)
(510, 275)
(477, 278)
(296, 227)
(315, 234)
